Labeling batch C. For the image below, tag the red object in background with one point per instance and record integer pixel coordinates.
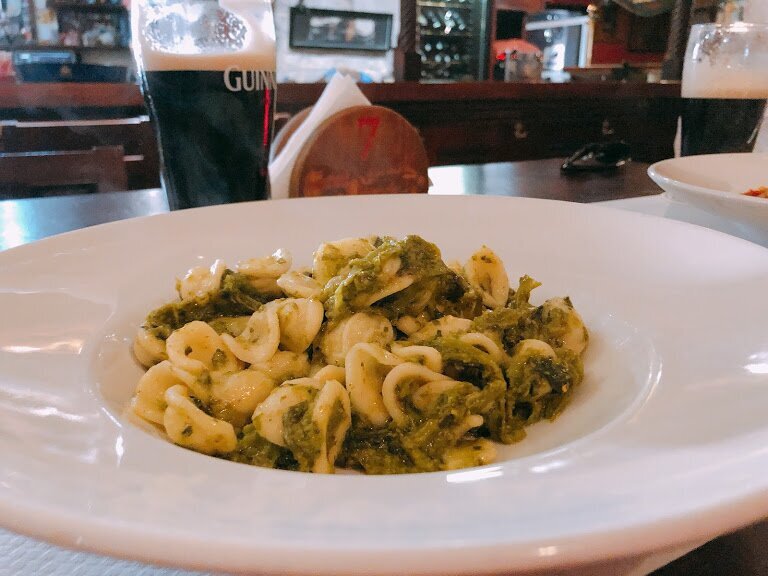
(6, 65)
(514, 45)
(618, 53)
(569, 3)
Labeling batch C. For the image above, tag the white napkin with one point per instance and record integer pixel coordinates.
(341, 93)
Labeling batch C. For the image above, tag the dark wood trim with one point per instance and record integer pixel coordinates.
(407, 59)
(70, 95)
(289, 96)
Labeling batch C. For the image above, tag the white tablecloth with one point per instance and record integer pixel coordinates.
(21, 556)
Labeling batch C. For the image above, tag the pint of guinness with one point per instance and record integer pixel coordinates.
(725, 86)
(207, 70)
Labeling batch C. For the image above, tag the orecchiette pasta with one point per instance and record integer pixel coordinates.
(445, 326)
(235, 396)
(487, 275)
(148, 348)
(332, 257)
(425, 355)
(330, 372)
(189, 426)
(332, 415)
(263, 273)
(379, 357)
(429, 392)
(200, 281)
(260, 339)
(359, 327)
(196, 347)
(484, 343)
(298, 285)
(284, 365)
(269, 414)
(300, 321)
(409, 376)
(149, 399)
(366, 367)
(564, 322)
(272, 266)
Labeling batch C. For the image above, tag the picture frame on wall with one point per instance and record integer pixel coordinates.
(323, 29)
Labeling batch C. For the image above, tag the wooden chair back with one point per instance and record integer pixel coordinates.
(30, 174)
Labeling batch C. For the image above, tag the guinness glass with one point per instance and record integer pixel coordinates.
(725, 84)
(207, 71)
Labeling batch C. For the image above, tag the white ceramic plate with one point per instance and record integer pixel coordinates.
(716, 183)
(663, 446)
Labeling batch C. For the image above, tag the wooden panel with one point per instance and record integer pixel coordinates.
(55, 173)
(497, 131)
(294, 97)
(136, 136)
(485, 121)
(71, 95)
(462, 122)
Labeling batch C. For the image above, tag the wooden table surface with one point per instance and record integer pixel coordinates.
(742, 553)
(30, 219)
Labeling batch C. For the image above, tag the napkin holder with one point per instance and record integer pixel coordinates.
(359, 150)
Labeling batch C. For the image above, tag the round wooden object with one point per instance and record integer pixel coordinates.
(282, 137)
(361, 150)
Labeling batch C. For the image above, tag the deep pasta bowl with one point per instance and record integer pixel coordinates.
(662, 447)
(717, 184)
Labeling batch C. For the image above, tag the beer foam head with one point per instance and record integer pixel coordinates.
(204, 35)
(726, 62)
(703, 79)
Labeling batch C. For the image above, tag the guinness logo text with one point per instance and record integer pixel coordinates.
(238, 80)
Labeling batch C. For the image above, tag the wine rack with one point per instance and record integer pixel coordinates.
(449, 34)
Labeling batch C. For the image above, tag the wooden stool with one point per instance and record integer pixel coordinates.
(360, 150)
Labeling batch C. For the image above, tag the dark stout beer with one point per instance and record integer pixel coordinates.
(214, 142)
(211, 100)
(717, 125)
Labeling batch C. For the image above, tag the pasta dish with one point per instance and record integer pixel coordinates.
(379, 357)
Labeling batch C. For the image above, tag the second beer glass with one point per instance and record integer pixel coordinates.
(207, 70)
(725, 84)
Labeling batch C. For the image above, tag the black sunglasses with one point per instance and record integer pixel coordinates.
(598, 156)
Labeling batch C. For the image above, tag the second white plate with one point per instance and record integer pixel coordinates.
(716, 183)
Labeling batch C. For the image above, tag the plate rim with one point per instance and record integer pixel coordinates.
(572, 552)
(745, 506)
(681, 187)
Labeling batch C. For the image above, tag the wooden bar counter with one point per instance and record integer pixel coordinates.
(460, 123)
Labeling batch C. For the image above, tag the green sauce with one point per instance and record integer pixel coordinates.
(237, 297)
(302, 435)
(255, 450)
